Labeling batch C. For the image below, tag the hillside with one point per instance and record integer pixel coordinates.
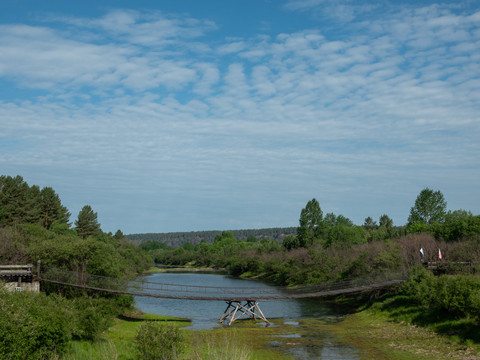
(176, 239)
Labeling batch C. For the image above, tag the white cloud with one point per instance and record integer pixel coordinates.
(232, 47)
(209, 77)
(303, 4)
(43, 57)
(396, 101)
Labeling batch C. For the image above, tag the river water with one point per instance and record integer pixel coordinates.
(301, 318)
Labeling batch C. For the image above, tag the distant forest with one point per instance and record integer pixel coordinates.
(177, 239)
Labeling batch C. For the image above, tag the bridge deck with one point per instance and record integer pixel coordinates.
(225, 297)
(241, 301)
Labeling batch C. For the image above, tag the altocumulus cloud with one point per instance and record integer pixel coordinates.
(189, 133)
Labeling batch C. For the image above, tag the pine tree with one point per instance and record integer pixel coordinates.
(52, 209)
(87, 224)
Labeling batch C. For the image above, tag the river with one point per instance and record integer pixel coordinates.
(301, 318)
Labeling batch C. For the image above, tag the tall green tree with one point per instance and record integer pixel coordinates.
(87, 223)
(311, 223)
(52, 209)
(32, 212)
(13, 198)
(430, 206)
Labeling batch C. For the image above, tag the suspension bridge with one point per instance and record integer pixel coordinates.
(240, 301)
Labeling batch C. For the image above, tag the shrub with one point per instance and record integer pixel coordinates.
(156, 341)
(457, 295)
(420, 285)
(91, 316)
(32, 326)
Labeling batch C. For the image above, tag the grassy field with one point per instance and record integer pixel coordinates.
(118, 341)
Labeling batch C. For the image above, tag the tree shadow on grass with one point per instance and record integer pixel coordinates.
(465, 329)
(406, 308)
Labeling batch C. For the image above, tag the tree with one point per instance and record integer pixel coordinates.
(343, 221)
(2, 214)
(311, 223)
(385, 221)
(119, 235)
(369, 224)
(330, 219)
(430, 206)
(290, 242)
(28, 204)
(13, 198)
(52, 209)
(458, 224)
(87, 224)
(32, 205)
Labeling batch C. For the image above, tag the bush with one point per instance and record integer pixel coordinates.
(91, 316)
(156, 341)
(420, 285)
(32, 326)
(457, 295)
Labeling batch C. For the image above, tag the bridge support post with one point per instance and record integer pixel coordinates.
(235, 310)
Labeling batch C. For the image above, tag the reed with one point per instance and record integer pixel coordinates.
(225, 346)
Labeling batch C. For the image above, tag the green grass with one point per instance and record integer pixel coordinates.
(401, 308)
(248, 341)
(117, 341)
(397, 325)
(86, 350)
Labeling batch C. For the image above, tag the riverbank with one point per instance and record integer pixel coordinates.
(185, 268)
(376, 334)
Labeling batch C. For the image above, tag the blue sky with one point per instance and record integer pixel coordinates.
(209, 115)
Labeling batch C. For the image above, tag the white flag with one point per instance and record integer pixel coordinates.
(439, 254)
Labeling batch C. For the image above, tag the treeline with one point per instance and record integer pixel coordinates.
(21, 203)
(331, 247)
(34, 225)
(266, 259)
(176, 239)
